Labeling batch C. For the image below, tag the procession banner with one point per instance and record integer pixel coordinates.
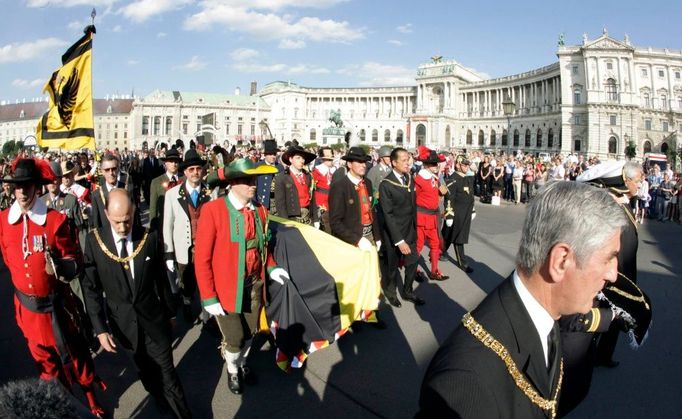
(68, 123)
(332, 285)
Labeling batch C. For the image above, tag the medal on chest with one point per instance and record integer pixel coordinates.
(38, 244)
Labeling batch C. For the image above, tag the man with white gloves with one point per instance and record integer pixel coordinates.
(231, 260)
(459, 211)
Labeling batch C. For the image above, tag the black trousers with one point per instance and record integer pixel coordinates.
(391, 273)
(187, 280)
(158, 375)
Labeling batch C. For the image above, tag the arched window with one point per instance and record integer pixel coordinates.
(646, 99)
(387, 136)
(538, 139)
(448, 135)
(399, 137)
(647, 146)
(664, 148)
(375, 135)
(313, 135)
(550, 138)
(527, 139)
(560, 138)
(505, 140)
(169, 124)
(516, 138)
(362, 135)
(613, 145)
(611, 90)
(664, 101)
(481, 138)
(470, 139)
(492, 138)
(421, 134)
(577, 100)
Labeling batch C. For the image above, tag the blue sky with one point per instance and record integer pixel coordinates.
(217, 45)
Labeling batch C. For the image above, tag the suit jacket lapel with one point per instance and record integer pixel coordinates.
(183, 199)
(530, 356)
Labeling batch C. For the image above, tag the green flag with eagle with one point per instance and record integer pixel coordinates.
(68, 123)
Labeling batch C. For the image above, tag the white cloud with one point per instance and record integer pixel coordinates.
(291, 44)
(68, 3)
(406, 28)
(141, 10)
(76, 25)
(377, 74)
(26, 51)
(27, 84)
(117, 28)
(261, 23)
(195, 64)
(280, 68)
(395, 42)
(243, 54)
(161, 35)
(133, 62)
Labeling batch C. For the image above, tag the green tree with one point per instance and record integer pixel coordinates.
(631, 150)
(9, 147)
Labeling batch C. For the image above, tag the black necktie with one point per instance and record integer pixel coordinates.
(126, 265)
(405, 179)
(553, 352)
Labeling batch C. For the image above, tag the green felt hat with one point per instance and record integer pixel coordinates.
(240, 168)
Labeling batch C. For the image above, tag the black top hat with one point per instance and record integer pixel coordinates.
(171, 154)
(31, 170)
(356, 154)
(297, 150)
(270, 147)
(192, 158)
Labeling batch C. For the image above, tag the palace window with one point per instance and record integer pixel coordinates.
(664, 102)
(145, 125)
(576, 145)
(362, 135)
(611, 90)
(677, 75)
(647, 124)
(516, 138)
(169, 124)
(664, 124)
(612, 119)
(576, 119)
(576, 97)
(647, 100)
(661, 73)
(387, 136)
(550, 138)
(253, 129)
(375, 135)
(313, 135)
(538, 139)
(645, 73)
(609, 65)
(613, 145)
(527, 139)
(575, 70)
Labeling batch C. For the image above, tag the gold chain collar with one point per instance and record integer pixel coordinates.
(116, 258)
(400, 185)
(494, 345)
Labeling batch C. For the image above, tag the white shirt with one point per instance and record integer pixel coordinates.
(237, 204)
(399, 176)
(129, 248)
(171, 176)
(353, 179)
(189, 188)
(542, 321)
(37, 213)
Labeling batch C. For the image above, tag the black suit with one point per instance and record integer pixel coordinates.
(466, 379)
(345, 215)
(398, 220)
(151, 168)
(138, 315)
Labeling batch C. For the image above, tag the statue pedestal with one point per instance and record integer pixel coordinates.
(332, 135)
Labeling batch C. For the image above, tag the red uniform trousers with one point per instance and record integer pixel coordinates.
(427, 230)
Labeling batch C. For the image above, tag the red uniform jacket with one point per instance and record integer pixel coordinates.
(219, 255)
(428, 198)
(323, 178)
(28, 276)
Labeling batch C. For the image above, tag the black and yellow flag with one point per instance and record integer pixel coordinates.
(69, 121)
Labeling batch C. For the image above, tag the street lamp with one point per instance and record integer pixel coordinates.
(508, 107)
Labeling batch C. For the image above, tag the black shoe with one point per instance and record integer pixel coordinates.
(234, 383)
(394, 301)
(419, 277)
(247, 376)
(609, 363)
(413, 298)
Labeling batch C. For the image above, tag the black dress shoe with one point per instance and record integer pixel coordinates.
(467, 269)
(609, 363)
(413, 298)
(247, 376)
(234, 383)
(419, 277)
(394, 301)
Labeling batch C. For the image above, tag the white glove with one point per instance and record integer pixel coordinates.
(473, 216)
(378, 242)
(215, 309)
(449, 222)
(170, 265)
(279, 275)
(316, 224)
(365, 245)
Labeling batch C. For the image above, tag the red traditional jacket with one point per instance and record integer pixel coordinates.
(428, 197)
(220, 253)
(323, 178)
(45, 227)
